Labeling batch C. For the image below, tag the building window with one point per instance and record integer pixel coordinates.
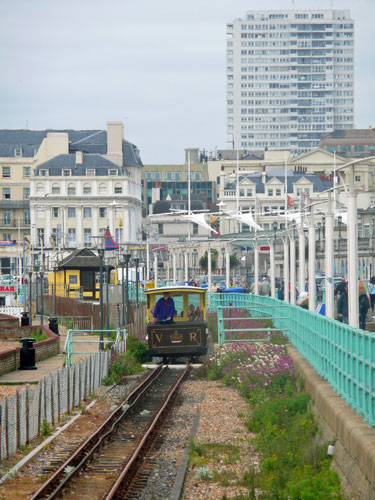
(39, 189)
(102, 212)
(6, 193)
(55, 189)
(71, 236)
(249, 192)
(357, 178)
(103, 188)
(55, 212)
(87, 212)
(43, 173)
(66, 173)
(90, 171)
(71, 190)
(149, 176)
(7, 237)
(345, 149)
(26, 216)
(168, 176)
(18, 152)
(6, 172)
(278, 192)
(332, 149)
(26, 193)
(157, 176)
(242, 192)
(87, 236)
(195, 228)
(160, 228)
(270, 192)
(71, 212)
(113, 172)
(118, 189)
(86, 189)
(357, 149)
(7, 214)
(26, 171)
(40, 236)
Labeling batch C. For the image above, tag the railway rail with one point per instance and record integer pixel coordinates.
(106, 465)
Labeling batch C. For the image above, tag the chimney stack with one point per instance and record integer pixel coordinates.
(79, 158)
(115, 136)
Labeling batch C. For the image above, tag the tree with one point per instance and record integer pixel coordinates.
(203, 261)
(233, 261)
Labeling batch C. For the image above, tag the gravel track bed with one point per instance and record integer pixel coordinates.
(31, 477)
(219, 422)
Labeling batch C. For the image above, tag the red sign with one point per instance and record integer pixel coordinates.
(264, 249)
(7, 288)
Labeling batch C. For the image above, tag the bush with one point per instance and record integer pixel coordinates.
(137, 350)
(123, 366)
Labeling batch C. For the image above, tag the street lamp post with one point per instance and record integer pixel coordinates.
(36, 269)
(42, 296)
(108, 277)
(339, 221)
(136, 264)
(100, 246)
(272, 260)
(127, 256)
(30, 273)
(223, 255)
(55, 267)
(122, 265)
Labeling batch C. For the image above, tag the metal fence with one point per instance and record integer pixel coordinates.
(343, 355)
(22, 414)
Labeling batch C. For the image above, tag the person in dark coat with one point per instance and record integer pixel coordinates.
(340, 289)
(364, 304)
(164, 310)
(342, 306)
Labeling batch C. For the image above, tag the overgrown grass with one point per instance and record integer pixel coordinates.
(293, 466)
(39, 335)
(127, 364)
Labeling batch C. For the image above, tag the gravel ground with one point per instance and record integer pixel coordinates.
(219, 408)
(30, 478)
(6, 390)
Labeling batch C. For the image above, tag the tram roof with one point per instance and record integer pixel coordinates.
(177, 288)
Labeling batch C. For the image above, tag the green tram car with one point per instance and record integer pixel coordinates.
(187, 335)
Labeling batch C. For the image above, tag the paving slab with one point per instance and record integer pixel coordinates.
(85, 347)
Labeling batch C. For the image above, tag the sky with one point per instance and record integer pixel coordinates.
(158, 66)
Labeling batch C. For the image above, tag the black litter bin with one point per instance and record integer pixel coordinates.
(53, 325)
(25, 319)
(27, 354)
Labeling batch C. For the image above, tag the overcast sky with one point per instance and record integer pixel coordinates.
(159, 66)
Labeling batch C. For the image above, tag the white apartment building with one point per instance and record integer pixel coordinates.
(78, 193)
(290, 78)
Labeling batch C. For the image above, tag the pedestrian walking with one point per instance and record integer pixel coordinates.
(264, 288)
(364, 304)
(342, 306)
(372, 293)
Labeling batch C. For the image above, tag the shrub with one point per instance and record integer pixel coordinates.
(123, 366)
(45, 429)
(137, 350)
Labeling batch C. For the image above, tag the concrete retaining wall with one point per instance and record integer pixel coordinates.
(10, 359)
(354, 457)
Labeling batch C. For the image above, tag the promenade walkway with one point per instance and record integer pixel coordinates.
(54, 363)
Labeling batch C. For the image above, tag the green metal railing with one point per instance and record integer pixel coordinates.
(132, 291)
(343, 355)
(68, 358)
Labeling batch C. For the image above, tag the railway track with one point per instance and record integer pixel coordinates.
(108, 464)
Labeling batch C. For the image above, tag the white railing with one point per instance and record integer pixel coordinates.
(12, 311)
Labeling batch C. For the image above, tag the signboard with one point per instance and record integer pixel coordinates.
(7, 289)
(264, 248)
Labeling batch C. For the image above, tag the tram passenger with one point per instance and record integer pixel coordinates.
(164, 310)
(198, 314)
(191, 312)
